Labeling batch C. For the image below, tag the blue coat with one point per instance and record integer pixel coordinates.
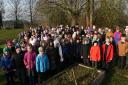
(7, 63)
(42, 63)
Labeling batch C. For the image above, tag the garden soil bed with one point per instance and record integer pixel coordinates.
(77, 74)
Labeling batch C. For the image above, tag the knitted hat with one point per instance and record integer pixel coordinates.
(6, 50)
(9, 43)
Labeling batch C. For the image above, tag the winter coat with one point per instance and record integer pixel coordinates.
(95, 53)
(117, 37)
(108, 57)
(18, 59)
(42, 63)
(29, 60)
(7, 63)
(85, 48)
(122, 48)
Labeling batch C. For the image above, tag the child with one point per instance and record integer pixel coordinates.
(117, 35)
(29, 62)
(122, 51)
(51, 53)
(7, 64)
(78, 51)
(19, 65)
(42, 65)
(95, 54)
(109, 33)
(85, 51)
(107, 53)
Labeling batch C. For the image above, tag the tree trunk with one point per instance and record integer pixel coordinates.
(75, 20)
(91, 12)
(31, 13)
(88, 14)
(1, 24)
(16, 18)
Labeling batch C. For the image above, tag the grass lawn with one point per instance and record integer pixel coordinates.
(9, 34)
(116, 77)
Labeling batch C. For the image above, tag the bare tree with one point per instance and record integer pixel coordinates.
(16, 10)
(73, 8)
(1, 12)
(31, 7)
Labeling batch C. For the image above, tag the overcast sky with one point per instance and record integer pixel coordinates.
(8, 9)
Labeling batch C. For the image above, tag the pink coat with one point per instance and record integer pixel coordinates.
(29, 60)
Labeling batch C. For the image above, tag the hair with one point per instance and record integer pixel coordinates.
(29, 45)
(107, 37)
(40, 48)
(95, 42)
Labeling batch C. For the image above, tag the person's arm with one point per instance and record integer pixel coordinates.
(61, 54)
(47, 61)
(2, 65)
(99, 55)
(37, 64)
(25, 59)
(34, 58)
(90, 53)
(112, 53)
(82, 50)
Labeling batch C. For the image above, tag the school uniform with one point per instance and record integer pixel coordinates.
(122, 51)
(107, 55)
(51, 53)
(85, 48)
(95, 55)
(20, 68)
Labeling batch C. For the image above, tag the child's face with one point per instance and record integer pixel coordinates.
(18, 50)
(78, 41)
(111, 39)
(95, 37)
(85, 42)
(123, 39)
(107, 40)
(41, 51)
(6, 53)
(109, 30)
(117, 30)
(95, 44)
(29, 49)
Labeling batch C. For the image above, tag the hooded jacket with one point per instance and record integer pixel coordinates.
(29, 60)
(42, 63)
(95, 53)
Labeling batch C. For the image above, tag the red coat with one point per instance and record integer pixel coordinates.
(109, 55)
(95, 53)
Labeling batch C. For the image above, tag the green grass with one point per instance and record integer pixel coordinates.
(116, 77)
(9, 34)
(1, 48)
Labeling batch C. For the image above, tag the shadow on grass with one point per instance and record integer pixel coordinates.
(108, 77)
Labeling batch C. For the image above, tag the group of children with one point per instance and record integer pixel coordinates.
(41, 52)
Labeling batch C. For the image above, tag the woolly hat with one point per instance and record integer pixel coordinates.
(9, 43)
(6, 50)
